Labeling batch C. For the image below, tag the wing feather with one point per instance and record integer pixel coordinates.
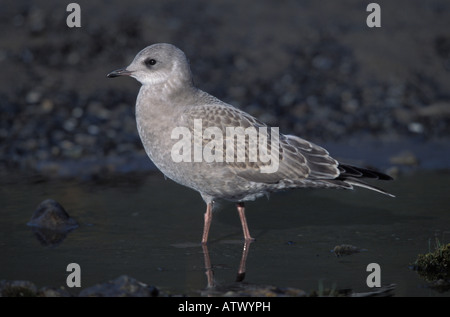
(298, 159)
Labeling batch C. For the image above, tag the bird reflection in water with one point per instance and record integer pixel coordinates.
(211, 285)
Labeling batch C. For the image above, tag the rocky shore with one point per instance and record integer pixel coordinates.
(315, 71)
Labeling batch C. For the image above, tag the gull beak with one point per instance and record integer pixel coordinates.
(119, 72)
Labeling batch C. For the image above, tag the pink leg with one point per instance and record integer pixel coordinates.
(208, 218)
(241, 273)
(208, 267)
(241, 210)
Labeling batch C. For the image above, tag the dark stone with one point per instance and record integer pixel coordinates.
(123, 286)
(29, 289)
(49, 237)
(51, 215)
(17, 289)
(53, 292)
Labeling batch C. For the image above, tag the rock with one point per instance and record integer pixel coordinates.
(53, 292)
(416, 127)
(383, 291)
(346, 249)
(251, 290)
(51, 215)
(17, 289)
(438, 109)
(33, 97)
(123, 286)
(47, 105)
(29, 289)
(404, 158)
(51, 223)
(49, 237)
(440, 285)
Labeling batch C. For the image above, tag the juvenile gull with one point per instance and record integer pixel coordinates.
(168, 99)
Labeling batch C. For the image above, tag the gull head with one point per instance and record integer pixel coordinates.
(158, 64)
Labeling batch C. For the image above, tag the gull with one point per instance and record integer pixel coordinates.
(169, 101)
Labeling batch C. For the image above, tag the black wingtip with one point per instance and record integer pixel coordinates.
(359, 172)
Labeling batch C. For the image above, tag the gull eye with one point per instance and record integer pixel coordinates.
(149, 62)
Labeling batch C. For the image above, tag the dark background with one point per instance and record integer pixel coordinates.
(313, 68)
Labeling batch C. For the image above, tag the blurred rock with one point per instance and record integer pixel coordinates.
(29, 289)
(51, 215)
(49, 237)
(404, 158)
(53, 292)
(33, 97)
(416, 127)
(383, 291)
(17, 289)
(265, 291)
(123, 286)
(346, 249)
(438, 109)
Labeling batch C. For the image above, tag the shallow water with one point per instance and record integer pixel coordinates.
(150, 229)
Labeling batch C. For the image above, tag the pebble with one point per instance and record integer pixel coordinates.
(404, 158)
(346, 249)
(416, 127)
(33, 97)
(123, 286)
(51, 215)
(77, 112)
(47, 105)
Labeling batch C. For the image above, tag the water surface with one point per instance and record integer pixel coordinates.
(150, 229)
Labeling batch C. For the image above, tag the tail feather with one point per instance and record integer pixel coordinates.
(358, 183)
(351, 174)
